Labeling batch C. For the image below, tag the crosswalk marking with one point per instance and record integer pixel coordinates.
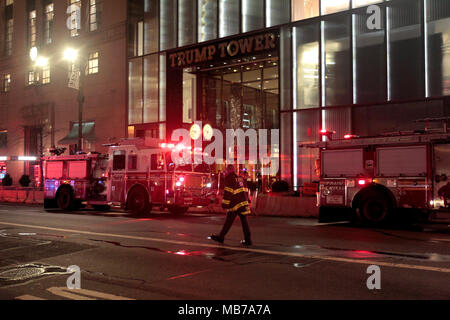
(28, 298)
(78, 294)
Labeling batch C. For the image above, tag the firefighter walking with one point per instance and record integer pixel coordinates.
(236, 202)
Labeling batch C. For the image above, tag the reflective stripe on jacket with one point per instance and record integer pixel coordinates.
(235, 197)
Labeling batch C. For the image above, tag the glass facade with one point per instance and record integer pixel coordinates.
(207, 20)
(405, 52)
(336, 66)
(437, 41)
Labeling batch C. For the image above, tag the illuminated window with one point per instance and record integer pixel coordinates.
(46, 75)
(75, 17)
(9, 2)
(332, 6)
(33, 78)
(32, 28)
(306, 61)
(304, 9)
(6, 82)
(95, 14)
(48, 23)
(93, 63)
(362, 3)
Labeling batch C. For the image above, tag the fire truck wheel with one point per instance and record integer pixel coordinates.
(65, 199)
(138, 202)
(375, 209)
(178, 210)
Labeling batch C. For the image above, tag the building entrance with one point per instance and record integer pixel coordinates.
(239, 95)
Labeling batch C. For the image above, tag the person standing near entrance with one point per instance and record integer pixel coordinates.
(236, 202)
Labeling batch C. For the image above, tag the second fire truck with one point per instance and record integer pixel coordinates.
(371, 179)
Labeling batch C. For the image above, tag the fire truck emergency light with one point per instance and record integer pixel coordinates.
(327, 133)
(350, 136)
(362, 182)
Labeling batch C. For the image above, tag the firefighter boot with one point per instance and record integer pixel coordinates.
(216, 238)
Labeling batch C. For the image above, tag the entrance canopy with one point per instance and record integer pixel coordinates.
(72, 138)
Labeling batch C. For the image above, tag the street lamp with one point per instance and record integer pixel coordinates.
(41, 62)
(72, 56)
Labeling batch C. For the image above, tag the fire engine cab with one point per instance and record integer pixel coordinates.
(141, 174)
(370, 179)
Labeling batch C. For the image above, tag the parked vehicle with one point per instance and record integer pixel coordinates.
(368, 179)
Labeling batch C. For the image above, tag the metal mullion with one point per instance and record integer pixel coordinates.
(423, 18)
(142, 86)
(241, 29)
(217, 19)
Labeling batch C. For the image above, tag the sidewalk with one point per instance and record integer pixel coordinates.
(262, 205)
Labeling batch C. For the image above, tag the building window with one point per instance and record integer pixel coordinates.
(48, 22)
(3, 139)
(306, 66)
(32, 28)
(207, 20)
(39, 77)
(277, 12)
(252, 15)
(95, 14)
(9, 27)
(187, 20)
(405, 54)
(332, 6)
(168, 22)
(228, 17)
(336, 63)
(75, 17)
(33, 78)
(437, 41)
(93, 63)
(369, 60)
(6, 82)
(46, 75)
(304, 9)
(362, 3)
(151, 26)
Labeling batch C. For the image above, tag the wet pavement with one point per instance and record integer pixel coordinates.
(166, 256)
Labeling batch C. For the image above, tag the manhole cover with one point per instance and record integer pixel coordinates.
(22, 273)
(26, 272)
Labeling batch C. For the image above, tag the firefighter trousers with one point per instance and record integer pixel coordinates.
(231, 216)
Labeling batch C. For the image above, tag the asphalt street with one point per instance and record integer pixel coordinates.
(165, 256)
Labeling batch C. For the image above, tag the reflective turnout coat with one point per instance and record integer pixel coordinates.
(235, 197)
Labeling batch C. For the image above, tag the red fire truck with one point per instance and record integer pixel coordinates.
(137, 174)
(373, 179)
(141, 174)
(71, 180)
